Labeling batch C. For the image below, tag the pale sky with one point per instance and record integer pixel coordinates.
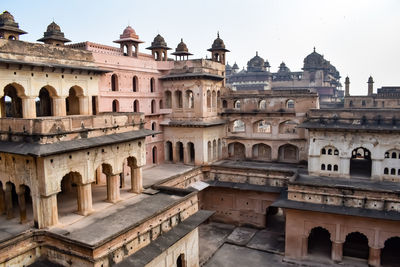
(359, 37)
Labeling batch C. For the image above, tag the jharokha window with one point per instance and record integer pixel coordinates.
(263, 127)
(238, 126)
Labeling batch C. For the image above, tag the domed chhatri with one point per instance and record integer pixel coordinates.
(256, 64)
(218, 50)
(182, 51)
(54, 36)
(129, 40)
(9, 29)
(159, 48)
(315, 61)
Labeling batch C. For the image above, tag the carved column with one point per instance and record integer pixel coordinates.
(2, 201)
(28, 107)
(9, 202)
(113, 188)
(84, 108)
(337, 251)
(136, 180)
(175, 153)
(85, 199)
(122, 178)
(59, 107)
(304, 246)
(374, 257)
(22, 204)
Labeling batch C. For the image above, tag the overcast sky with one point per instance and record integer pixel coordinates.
(360, 38)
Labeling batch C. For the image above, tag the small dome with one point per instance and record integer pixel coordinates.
(235, 66)
(228, 67)
(181, 47)
(53, 27)
(128, 31)
(159, 40)
(266, 64)
(370, 80)
(283, 68)
(6, 17)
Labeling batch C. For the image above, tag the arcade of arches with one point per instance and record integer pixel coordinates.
(16, 104)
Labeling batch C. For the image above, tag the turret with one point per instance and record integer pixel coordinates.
(370, 85)
(9, 29)
(218, 50)
(159, 48)
(54, 36)
(181, 51)
(129, 40)
(347, 86)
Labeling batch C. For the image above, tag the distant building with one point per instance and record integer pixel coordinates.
(318, 75)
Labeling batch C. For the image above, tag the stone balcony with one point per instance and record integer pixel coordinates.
(44, 130)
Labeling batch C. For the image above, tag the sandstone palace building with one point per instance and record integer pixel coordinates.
(115, 155)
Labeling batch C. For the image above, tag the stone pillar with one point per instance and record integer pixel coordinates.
(347, 87)
(84, 108)
(85, 199)
(344, 167)
(122, 178)
(337, 251)
(28, 107)
(304, 246)
(2, 201)
(59, 107)
(9, 202)
(49, 208)
(136, 180)
(22, 204)
(374, 257)
(376, 169)
(113, 188)
(175, 154)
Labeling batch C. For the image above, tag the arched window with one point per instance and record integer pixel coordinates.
(11, 103)
(329, 167)
(134, 84)
(394, 155)
(115, 106)
(329, 151)
(262, 105)
(238, 126)
(114, 82)
(208, 99)
(72, 102)
(236, 104)
(152, 85)
(180, 261)
(335, 168)
(178, 99)
(386, 155)
(168, 99)
(386, 171)
(290, 103)
(136, 106)
(224, 104)
(323, 151)
(153, 106)
(189, 99)
(336, 152)
(218, 99)
(44, 103)
(288, 127)
(393, 171)
(214, 99)
(160, 104)
(154, 154)
(263, 127)
(363, 103)
(153, 127)
(323, 167)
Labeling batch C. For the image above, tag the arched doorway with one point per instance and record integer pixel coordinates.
(67, 198)
(168, 151)
(179, 151)
(44, 103)
(288, 153)
(11, 103)
(319, 242)
(114, 82)
(154, 155)
(136, 106)
(191, 152)
(237, 150)
(115, 106)
(356, 246)
(180, 261)
(275, 220)
(72, 102)
(360, 163)
(390, 255)
(262, 152)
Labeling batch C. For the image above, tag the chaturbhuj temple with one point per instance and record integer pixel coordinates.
(126, 156)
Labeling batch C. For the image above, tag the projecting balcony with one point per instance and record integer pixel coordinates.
(52, 129)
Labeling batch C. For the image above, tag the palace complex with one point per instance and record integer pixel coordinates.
(117, 155)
